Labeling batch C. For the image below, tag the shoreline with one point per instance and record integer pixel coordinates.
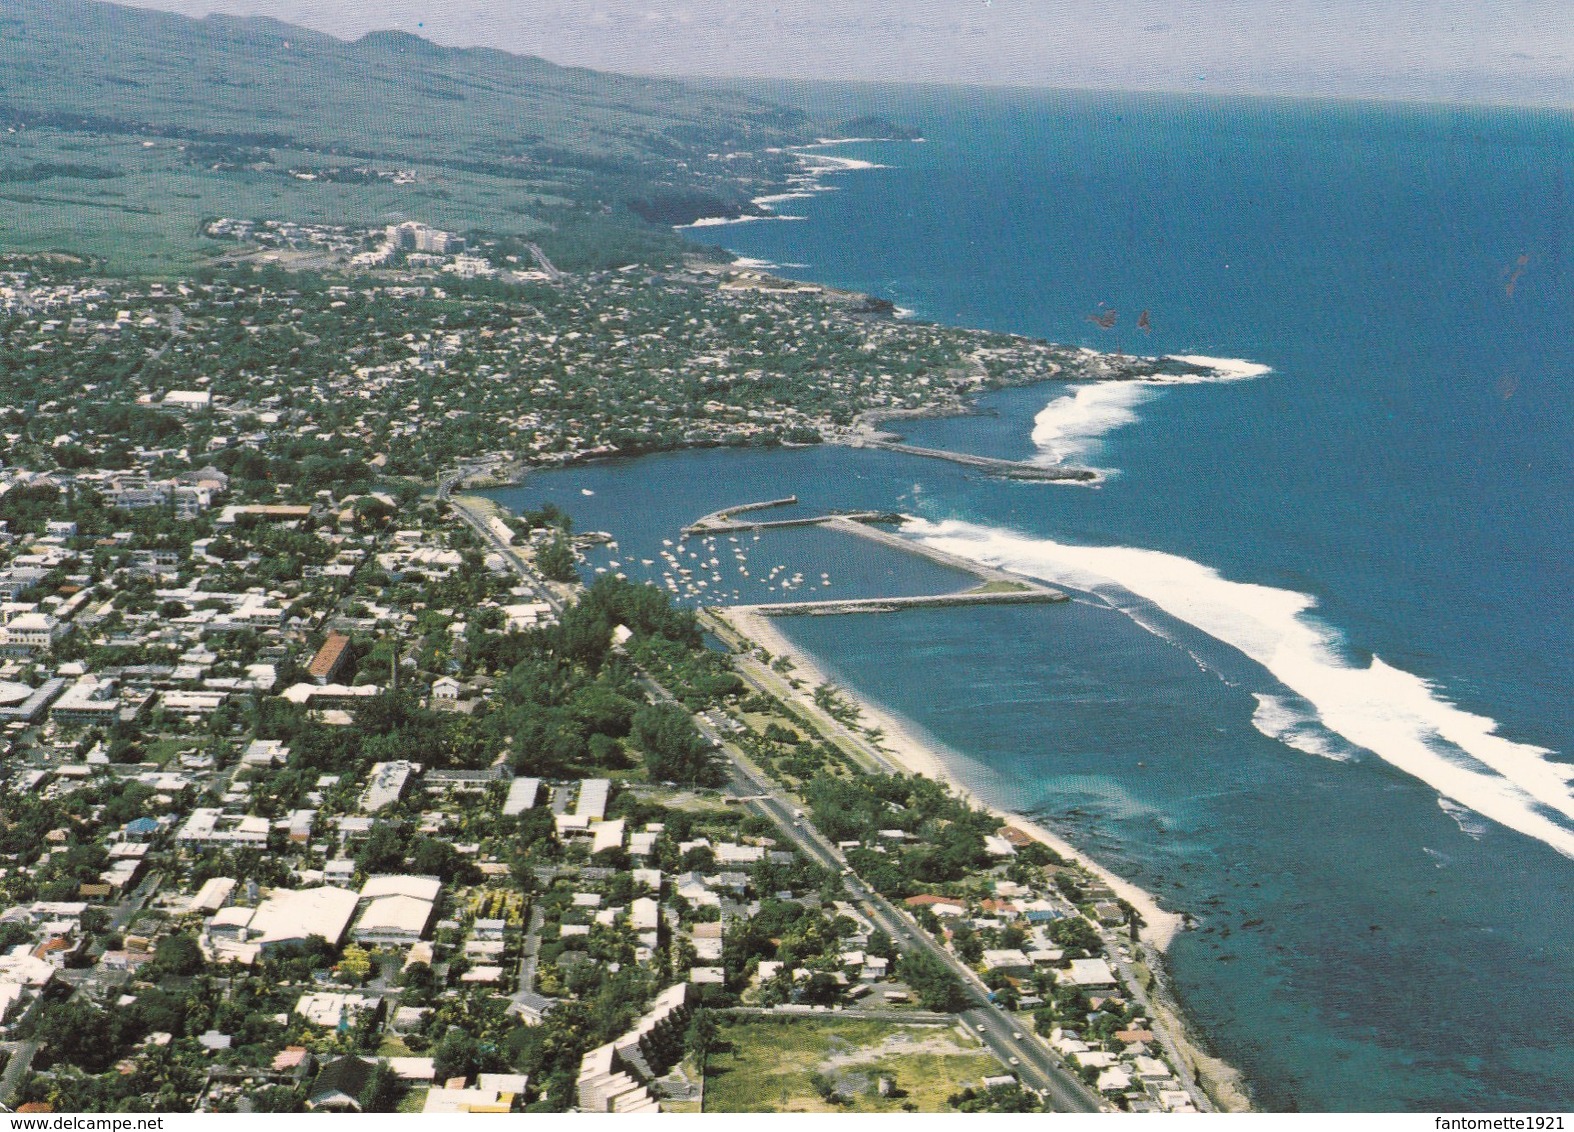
(904, 749)
(927, 757)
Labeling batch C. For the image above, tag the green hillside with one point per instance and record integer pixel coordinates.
(124, 129)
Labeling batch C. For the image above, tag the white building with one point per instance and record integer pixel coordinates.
(188, 400)
(522, 794)
(208, 828)
(386, 785)
(594, 793)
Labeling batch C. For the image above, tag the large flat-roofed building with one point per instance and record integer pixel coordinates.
(208, 828)
(330, 696)
(29, 632)
(21, 704)
(396, 909)
(188, 400)
(522, 794)
(393, 920)
(419, 887)
(89, 701)
(386, 785)
(331, 660)
(288, 917)
(594, 793)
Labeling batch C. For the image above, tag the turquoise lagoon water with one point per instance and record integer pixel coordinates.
(1315, 687)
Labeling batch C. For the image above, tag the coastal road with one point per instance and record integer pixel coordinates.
(489, 537)
(1182, 1065)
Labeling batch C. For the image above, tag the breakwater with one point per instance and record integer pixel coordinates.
(1004, 469)
(1036, 596)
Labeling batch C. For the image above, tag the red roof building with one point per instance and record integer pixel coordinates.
(330, 659)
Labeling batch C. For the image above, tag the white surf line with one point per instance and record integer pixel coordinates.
(1396, 715)
(1072, 424)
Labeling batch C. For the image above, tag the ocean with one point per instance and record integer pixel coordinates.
(1314, 690)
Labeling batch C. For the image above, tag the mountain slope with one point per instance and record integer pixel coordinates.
(504, 139)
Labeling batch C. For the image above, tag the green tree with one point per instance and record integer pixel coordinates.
(455, 1056)
(674, 749)
(179, 954)
(556, 561)
(1000, 1098)
(937, 988)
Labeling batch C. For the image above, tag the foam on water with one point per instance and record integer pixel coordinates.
(1278, 717)
(1072, 423)
(1226, 369)
(1469, 824)
(723, 221)
(1396, 715)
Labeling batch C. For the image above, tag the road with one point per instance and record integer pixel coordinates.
(128, 908)
(478, 524)
(531, 954)
(1182, 1066)
(1033, 1062)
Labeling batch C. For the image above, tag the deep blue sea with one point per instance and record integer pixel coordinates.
(1316, 688)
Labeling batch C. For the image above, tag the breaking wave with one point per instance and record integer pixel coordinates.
(1072, 424)
(1396, 715)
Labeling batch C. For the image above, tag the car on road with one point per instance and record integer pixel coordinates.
(1017, 1034)
(1014, 1060)
(981, 1027)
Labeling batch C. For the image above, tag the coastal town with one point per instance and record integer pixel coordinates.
(331, 787)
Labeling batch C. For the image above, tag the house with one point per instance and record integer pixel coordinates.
(532, 1008)
(594, 793)
(1086, 973)
(939, 905)
(140, 829)
(295, 1060)
(997, 846)
(386, 784)
(335, 1011)
(188, 400)
(1007, 960)
(265, 753)
(450, 1099)
(340, 1083)
(445, 692)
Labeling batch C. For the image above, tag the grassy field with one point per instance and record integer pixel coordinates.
(998, 586)
(122, 153)
(771, 1065)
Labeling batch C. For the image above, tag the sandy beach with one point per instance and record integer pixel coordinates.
(914, 754)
